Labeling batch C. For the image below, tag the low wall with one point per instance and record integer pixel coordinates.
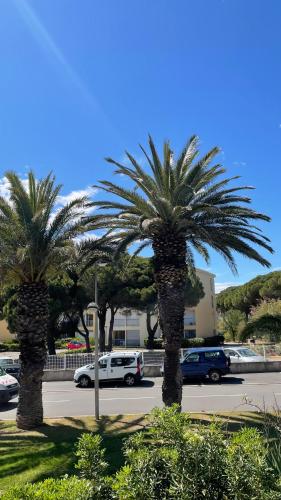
(57, 375)
(61, 375)
(154, 370)
(258, 367)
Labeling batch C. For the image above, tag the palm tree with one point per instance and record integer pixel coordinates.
(179, 206)
(33, 239)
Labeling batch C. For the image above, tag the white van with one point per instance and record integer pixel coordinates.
(9, 387)
(125, 366)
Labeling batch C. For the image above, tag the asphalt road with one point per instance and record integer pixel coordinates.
(64, 399)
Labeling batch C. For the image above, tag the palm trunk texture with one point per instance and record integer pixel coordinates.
(111, 326)
(32, 326)
(170, 276)
(102, 319)
(151, 330)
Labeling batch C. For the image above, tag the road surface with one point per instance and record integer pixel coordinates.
(64, 399)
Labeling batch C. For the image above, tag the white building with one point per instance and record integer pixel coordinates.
(130, 325)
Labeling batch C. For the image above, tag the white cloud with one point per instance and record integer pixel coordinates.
(4, 188)
(62, 200)
(219, 287)
(240, 163)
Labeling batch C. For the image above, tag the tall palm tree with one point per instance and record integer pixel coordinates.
(33, 237)
(178, 206)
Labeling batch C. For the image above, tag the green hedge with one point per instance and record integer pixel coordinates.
(214, 341)
(69, 488)
(12, 345)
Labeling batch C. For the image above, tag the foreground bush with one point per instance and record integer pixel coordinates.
(68, 488)
(174, 459)
(171, 459)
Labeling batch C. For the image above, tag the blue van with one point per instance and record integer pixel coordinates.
(208, 362)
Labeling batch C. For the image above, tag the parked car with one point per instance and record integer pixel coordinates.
(9, 386)
(202, 362)
(75, 344)
(10, 367)
(242, 355)
(123, 366)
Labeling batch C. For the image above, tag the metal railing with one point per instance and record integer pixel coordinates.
(76, 360)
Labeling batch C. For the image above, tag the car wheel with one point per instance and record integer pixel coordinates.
(130, 379)
(215, 376)
(84, 381)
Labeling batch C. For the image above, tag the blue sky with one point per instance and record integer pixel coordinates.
(81, 80)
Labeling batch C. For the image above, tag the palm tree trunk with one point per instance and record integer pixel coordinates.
(86, 333)
(151, 330)
(51, 343)
(113, 311)
(170, 277)
(32, 324)
(102, 319)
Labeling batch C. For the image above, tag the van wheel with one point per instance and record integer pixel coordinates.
(215, 376)
(84, 381)
(130, 379)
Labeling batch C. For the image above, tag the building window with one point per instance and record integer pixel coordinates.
(119, 338)
(212, 299)
(133, 321)
(132, 338)
(119, 322)
(189, 318)
(189, 334)
(89, 320)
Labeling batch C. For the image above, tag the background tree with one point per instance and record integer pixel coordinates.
(264, 321)
(81, 269)
(246, 296)
(120, 285)
(179, 205)
(232, 323)
(32, 242)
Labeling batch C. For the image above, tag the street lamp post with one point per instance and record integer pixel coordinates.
(97, 402)
(94, 305)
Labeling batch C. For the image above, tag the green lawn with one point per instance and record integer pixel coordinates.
(49, 451)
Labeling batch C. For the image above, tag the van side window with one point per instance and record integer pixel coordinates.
(116, 362)
(128, 361)
(210, 355)
(121, 361)
(193, 358)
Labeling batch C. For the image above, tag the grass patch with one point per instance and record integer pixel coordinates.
(49, 451)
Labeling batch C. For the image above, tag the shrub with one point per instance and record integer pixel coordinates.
(196, 342)
(70, 488)
(214, 341)
(174, 459)
(247, 468)
(157, 343)
(11, 345)
(92, 465)
(90, 455)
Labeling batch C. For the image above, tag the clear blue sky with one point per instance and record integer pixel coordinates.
(85, 79)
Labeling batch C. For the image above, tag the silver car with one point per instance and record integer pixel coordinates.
(242, 355)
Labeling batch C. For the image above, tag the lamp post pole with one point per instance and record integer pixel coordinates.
(97, 410)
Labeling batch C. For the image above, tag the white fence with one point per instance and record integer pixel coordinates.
(68, 361)
(73, 361)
